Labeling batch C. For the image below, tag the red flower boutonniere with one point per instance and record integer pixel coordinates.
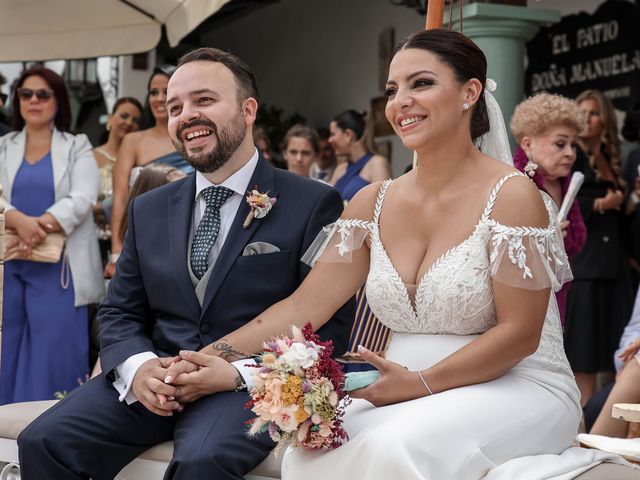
(260, 204)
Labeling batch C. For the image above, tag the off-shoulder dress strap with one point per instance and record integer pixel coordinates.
(494, 194)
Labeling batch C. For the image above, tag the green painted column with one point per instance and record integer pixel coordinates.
(501, 31)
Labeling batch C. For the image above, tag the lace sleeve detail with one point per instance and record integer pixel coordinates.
(529, 257)
(337, 241)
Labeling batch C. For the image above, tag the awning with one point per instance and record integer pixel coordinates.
(32, 30)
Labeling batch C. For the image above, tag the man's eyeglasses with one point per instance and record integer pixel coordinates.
(27, 94)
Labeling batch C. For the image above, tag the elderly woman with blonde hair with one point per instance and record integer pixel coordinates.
(546, 128)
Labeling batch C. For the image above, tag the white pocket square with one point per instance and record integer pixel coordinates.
(259, 248)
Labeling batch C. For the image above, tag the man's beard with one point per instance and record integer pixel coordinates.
(227, 142)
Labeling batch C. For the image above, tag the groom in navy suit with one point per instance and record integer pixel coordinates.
(192, 270)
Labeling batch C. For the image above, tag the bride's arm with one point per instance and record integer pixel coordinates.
(520, 317)
(327, 287)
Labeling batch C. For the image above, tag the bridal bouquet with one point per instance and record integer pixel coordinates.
(298, 393)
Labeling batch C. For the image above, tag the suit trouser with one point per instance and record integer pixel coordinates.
(91, 434)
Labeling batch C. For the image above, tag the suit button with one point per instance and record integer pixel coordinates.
(605, 239)
(205, 328)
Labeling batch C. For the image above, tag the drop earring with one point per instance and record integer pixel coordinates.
(530, 168)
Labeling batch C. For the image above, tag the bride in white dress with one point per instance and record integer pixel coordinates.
(460, 257)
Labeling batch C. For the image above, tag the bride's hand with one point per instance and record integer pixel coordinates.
(395, 384)
(178, 368)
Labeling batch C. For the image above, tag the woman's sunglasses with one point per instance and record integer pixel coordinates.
(27, 94)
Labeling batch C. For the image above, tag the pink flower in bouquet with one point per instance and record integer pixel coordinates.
(286, 418)
(270, 404)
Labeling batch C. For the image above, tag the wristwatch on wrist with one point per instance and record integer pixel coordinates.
(241, 385)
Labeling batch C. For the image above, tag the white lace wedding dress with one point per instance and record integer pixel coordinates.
(519, 426)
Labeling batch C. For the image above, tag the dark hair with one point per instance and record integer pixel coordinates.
(352, 120)
(147, 119)
(151, 176)
(122, 100)
(360, 124)
(302, 131)
(261, 134)
(465, 59)
(631, 127)
(323, 133)
(62, 120)
(245, 78)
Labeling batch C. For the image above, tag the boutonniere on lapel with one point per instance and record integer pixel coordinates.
(260, 204)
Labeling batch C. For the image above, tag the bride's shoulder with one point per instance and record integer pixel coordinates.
(518, 202)
(363, 204)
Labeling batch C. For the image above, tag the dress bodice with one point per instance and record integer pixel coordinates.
(351, 182)
(106, 180)
(30, 178)
(455, 295)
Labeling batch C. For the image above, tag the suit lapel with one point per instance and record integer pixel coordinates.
(60, 145)
(179, 226)
(14, 157)
(238, 237)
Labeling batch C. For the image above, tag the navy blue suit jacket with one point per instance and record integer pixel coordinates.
(151, 304)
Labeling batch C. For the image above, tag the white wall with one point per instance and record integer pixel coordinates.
(133, 83)
(318, 57)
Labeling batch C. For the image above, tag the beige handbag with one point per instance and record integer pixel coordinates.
(48, 251)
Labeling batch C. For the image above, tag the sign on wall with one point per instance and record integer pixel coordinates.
(583, 51)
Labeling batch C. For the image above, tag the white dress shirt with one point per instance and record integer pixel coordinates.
(239, 183)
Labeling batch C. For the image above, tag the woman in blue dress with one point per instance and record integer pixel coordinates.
(349, 139)
(150, 145)
(50, 180)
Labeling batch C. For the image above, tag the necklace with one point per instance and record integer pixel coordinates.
(106, 154)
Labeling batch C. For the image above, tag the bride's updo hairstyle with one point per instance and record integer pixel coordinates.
(465, 59)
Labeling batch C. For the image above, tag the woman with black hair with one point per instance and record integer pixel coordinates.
(349, 138)
(151, 145)
(50, 180)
